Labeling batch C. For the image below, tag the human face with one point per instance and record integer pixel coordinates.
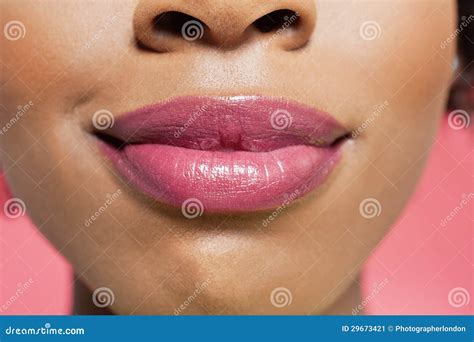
(370, 75)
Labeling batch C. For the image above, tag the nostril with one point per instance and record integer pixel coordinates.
(276, 20)
(178, 24)
(172, 26)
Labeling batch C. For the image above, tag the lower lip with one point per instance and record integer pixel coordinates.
(224, 181)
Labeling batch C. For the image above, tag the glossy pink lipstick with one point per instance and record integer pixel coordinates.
(228, 154)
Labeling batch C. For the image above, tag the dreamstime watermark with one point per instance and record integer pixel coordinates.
(377, 111)
(370, 208)
(110, 198)
(370, 30)
(459, 297)
(192, 118)
(21, 110)
(14, 208)
(47, 329)
(192, 208)
(466, 198)
(287, 22)
(281, 119)
(191, 298)
(376, 289)
(192, 30)
(103, 119)
(465, 21)
(103, 297)
(281, 297)
(21, 289)
(106, 25)
(14, 30)
(459, 119)
(288, 199)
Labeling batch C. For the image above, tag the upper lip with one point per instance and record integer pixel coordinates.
(247, 123)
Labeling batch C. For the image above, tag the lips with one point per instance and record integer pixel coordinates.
(228, 154)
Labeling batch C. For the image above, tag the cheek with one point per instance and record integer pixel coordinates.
(406, 69)
(413, 80)
(65, 50)
(54, 66)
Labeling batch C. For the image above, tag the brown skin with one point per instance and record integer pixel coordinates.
(77, 59)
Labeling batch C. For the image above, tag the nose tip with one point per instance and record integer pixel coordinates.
(173, 25)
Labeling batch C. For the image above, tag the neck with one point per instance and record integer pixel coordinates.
(83, 304)
(349, 300)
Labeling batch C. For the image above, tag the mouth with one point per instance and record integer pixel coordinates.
(224, 154)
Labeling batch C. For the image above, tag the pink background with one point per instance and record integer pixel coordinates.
(419, 261)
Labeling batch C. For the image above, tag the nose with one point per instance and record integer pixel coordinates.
(173, 25)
